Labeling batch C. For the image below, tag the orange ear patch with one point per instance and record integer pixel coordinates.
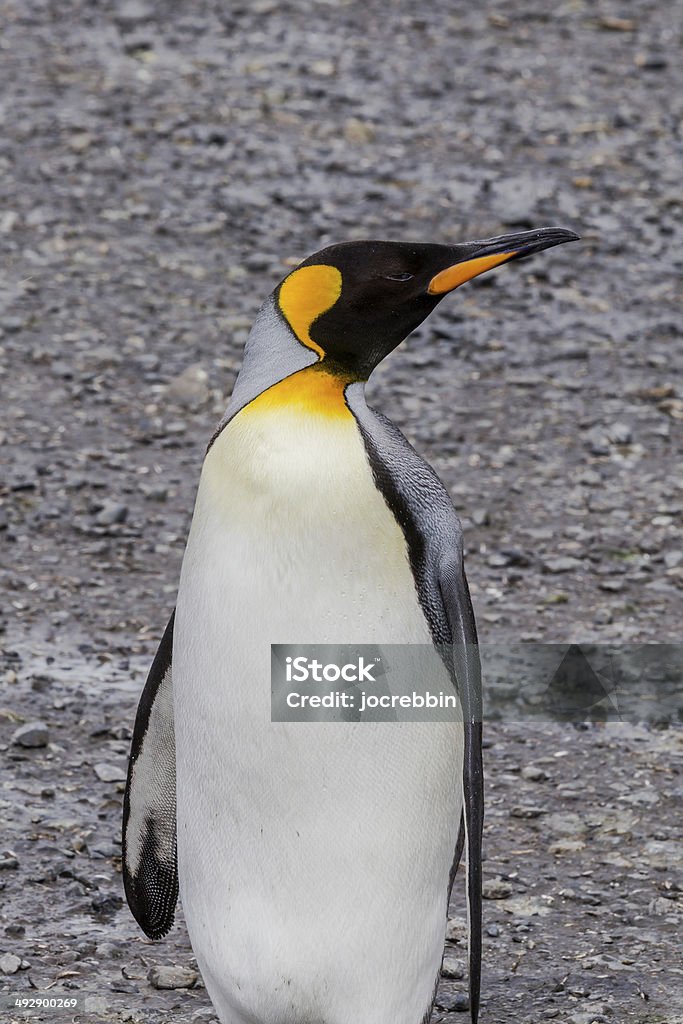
(305, 295)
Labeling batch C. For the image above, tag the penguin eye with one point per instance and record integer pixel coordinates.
(399, 277)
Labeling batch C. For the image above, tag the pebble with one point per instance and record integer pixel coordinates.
(8, 861)
(452, 968)
(33, 734)
(457, 1002)
(526, 811)
(496, 889)
(456, 929)
(9, 963)
(563, 564)
(619, 433)
(190, 389)
(112, 512)
(532, 773)
(172, 977)
(109, 772)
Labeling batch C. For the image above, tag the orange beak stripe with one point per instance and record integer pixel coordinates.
(450, 278)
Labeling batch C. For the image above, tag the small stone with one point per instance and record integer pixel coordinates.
(131, 11)
(619, 433)
(8, 861)
(456, 929)
(172, 977)
(457, 1003)
(80, 142)
(452, 968)
(111, 513)
(565, 564)
(480, 516)
(9, 963)
(106, 904)
(526, 906)
(532, 773)
(33, 734)
(562, 846)
(358, 132)
(496, 889)
(109, 772)
(190, 389)
(614, 24)
(660, 906)
(565, 823)
(528, 811)
(324, 68)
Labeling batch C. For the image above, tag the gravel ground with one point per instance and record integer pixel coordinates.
(162, 165)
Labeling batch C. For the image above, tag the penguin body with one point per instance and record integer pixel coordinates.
(345, 914)
(315, 860)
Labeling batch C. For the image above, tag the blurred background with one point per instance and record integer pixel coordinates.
(163, 167)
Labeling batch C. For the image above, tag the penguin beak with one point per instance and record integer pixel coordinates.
(478, 257)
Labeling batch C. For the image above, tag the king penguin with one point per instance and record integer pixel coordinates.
(315, 861)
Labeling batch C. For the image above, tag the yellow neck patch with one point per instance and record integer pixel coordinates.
(305, 295)
(310, 392)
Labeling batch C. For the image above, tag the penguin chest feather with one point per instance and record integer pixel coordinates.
(314, 858)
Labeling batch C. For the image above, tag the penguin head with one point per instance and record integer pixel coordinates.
(353, 303)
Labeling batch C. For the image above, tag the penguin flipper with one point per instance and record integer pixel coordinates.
(467, 675)
(150, 867)
(424, 511)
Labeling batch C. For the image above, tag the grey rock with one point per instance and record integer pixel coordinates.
(10, 963)
(452, 968)
(532, 773)
(109, 772)
(133, 11)
(480, 516)
(190, 389)
(456, 1002)
(112, 512)
(172, 977)
(619, 433)
(566, 563)
(204, 1015)
(456, 929)
(526, 811)
(496, 889)
(32, 734)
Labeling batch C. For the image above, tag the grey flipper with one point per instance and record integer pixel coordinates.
(423, 508)
(150, 869)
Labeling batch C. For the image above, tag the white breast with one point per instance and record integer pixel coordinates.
(313, 858)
